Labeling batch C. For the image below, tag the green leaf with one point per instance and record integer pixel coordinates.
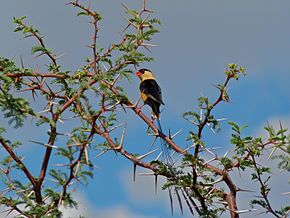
(41, 49)
(82, 13)
(226, 162)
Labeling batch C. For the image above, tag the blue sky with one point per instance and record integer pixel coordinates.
(197, 40)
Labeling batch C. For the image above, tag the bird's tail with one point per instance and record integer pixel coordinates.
(164, 146)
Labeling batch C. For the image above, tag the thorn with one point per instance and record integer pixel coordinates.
(123, 108)
(104, 66)
(173, 152)
(49, 89)
(215, 182)
(179, 131)
(222, 119)
(144, 5)
(37, 56)
(86, 153)
(61, 165)
(53, 180)
(71, 117)
(187, 202)
(30, 194)
(169, 133)
(122, 138)
(129, 24)
(118, 148)
(152, 45)
(59, 56)
(10, 211)
(211, 128)
(116, 79)
(209, 161)
(244, 190)
(200, 115)
(126, 27)
(146, 174)
(145, 155)
(205, 197)
(126, 8)
(147, 48)
(209, 151)
(155, 181)
(75, 144)
(43, 144)
(22, 63)
(187, 149)
(33, 93)
(171, 201)
(152, 133)
(115, 127)
(245, 211)
(77, 169)
(226, 154)
(27, 89)
(135, 105)
(272, 152)
(134, 173)
(179, 201)
(155, 138)
(158, 156)
(44, 111)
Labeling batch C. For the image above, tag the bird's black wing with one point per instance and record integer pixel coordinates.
(151, 88)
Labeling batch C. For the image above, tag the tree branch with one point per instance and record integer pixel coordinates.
(19, 161)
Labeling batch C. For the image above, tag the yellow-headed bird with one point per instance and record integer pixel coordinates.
(150, 91)
(151, 95)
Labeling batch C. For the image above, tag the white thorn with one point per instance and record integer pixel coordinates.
(146, 174)
(104, 66)
(43, 144)
(122, 138)
(245, 211)
(145, 155)
(103, 152)
(77, 169)
(86, 154)
(116, 127)
(176, 133)
(209, 161)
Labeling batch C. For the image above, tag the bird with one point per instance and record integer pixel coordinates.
(151, 95)
(150, 91)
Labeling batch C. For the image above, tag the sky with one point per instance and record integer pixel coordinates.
(197, 40)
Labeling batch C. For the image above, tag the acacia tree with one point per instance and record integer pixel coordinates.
(94, 96)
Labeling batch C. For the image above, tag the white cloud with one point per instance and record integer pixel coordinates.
(275, 122)
(120, 211)
(4, 212)
(142, 193)
(87, 210)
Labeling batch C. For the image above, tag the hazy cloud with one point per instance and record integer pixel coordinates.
(88, 210)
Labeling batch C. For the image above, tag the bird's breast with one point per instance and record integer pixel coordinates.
(144, 96)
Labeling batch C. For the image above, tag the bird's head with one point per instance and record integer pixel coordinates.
(144, 74)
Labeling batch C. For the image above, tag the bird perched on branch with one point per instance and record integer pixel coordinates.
(152, 96)
(150, 91)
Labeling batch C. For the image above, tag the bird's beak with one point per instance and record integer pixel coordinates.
(138, 73)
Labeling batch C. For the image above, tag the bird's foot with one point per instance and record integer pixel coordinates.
(152, 119)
